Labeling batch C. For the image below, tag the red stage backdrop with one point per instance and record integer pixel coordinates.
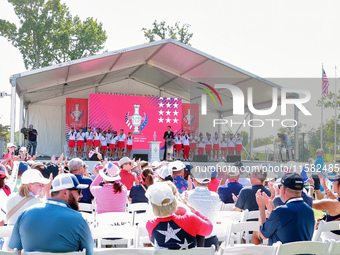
(140, 115)
(190, 121)
(76, 113)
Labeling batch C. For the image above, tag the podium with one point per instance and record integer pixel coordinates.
(154, 151)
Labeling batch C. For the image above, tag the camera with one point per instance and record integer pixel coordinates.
(281, 136)
(24, 130)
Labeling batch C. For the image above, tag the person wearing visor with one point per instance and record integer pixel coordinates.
(169, 230)
(56, 226)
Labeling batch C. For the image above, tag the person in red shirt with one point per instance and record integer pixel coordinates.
(128, 177)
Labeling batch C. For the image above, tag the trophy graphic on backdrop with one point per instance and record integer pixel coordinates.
(136, 119)
(76, 114)
(189, 119)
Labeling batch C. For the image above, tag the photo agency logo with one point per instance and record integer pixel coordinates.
(288, 96)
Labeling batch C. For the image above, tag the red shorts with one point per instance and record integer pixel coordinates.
(231, 148)
(89, 142)
(129, 147)
(120, 144)
(208, 147)
(111, 146)
(103, 148)
(178, 147)
(238, 147)
(80, 143)
(96, 143)
(224, 148)
(216, 146)
(200, 151)
(193, 146)
(71, 143)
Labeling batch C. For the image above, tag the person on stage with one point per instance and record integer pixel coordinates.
(178, 146)
(231, 144)
(80, 142)
(97, 137)
(224, 147)
(201, 144)
(71, 142)
(168, 137)
(239, 148)
(89, 140)
(103, 143)
(193, 144)
(186, 146)
(208, 145)
(121, 143)
(32, 140)
(129, 143)
(216, 146)
(111, 140)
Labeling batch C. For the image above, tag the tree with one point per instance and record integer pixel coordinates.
(50, 35)
(4, 132)
(162, 31)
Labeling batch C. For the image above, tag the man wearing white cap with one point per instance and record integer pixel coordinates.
(206, 202)
(233, 188)
(177, 168)
(55, 226)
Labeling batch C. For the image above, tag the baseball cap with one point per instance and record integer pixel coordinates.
(23, 149)
(238, 163)
(32, 176)
(66, 181)
(9, 145)
(334, 178)
(110, 172)
(3, 172)
(123, 161)
(30, 125)
(164, 171)
(155, 164)
(233, 171)
(160, 194)
(176, 165)
(23, 167)
(202, 176)
(292, 181)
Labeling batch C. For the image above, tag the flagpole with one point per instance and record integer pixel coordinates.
(321, 133)
(335, 117)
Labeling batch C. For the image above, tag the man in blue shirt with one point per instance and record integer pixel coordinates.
(318, 166)
(288, 144)
(55, 226)
(291, 222)
(233, 187)
(32, 140)
(77, 168)
(177, 168)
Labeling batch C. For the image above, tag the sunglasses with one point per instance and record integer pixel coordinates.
(280, 185)
(79, 190)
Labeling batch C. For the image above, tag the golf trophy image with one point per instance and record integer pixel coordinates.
(136, 119)
(76, 113)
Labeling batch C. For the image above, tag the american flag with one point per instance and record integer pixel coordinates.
(325, 84)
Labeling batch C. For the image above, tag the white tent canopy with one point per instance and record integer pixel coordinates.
(164, 68)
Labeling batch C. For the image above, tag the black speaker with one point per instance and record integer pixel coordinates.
(200, 158)
(233, 158)
(94, 157)
(141, 156)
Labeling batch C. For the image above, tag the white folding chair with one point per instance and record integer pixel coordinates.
(193, 251)
(227, 207)
(334, 248)
(134, 208)
(303, 247)
(247, 249)
(124, 251)
(141, 236)
(239, 228)
(83, 252)
(14, 252)
(6, 231)
(325, 227)
(85, 207)
(113, 225)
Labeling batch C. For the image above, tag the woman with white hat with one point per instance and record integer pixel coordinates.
(169, 230)
(9, 156)
(112, 195)
(31, 187)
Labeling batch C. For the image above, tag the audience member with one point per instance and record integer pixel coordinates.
(128, 178)
(229, 191)
(55, 226)
(137, 192)
(177, 168)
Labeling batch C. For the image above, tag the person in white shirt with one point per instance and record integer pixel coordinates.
(239, 140)
(89, 140)
(80, 142)
(208, 145)
(71, 142)
(178, 145)
(224, 147)
(129, 143)
(103, 144)
(111, 140)
(216, 146)
(97, 137)
(231, 145)
(121, 143)
(186, 146)
(193, 144)
(201, 144)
